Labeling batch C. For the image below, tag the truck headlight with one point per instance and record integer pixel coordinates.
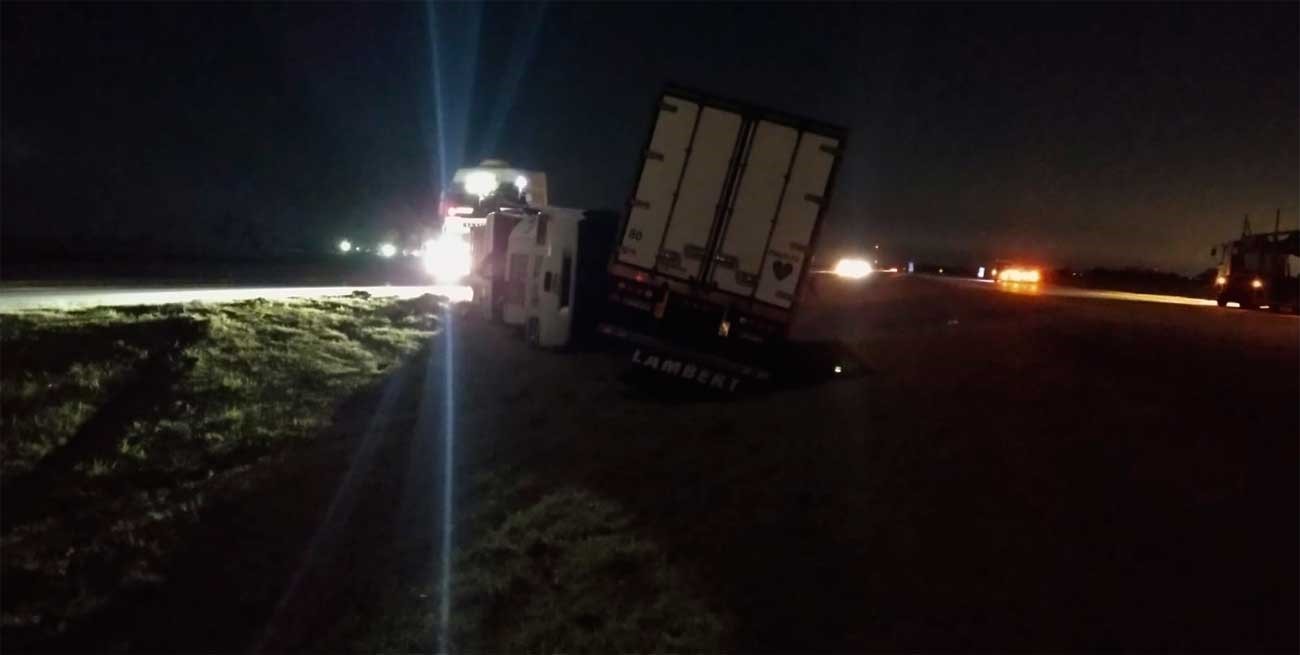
(1220, 281)
(854, 269)
(1257, 283)
(447, 258)
(480, 183)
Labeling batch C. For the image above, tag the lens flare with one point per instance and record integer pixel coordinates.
(448, 258)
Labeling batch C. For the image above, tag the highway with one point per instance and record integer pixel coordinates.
(1003, 455)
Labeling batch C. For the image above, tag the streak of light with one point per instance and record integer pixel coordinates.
(327, 535)
(21, 298)
(454, 292)
(448, 469)
(1128, 295)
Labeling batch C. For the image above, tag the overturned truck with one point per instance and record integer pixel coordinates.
(721, 228)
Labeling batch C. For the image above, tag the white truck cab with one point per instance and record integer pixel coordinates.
(555, 273)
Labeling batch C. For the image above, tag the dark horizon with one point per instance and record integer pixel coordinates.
(1078, 135)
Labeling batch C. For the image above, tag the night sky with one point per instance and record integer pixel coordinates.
(1083, 135)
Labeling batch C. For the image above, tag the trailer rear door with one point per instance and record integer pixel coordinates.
(685, 249)
(660, 173)
(789, 246)
(758, 196)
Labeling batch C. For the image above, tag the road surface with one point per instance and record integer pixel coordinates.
(1076, 292)
(1013, 471)
(72, 297)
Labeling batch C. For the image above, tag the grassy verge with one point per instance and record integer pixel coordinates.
(120, 424)
(552, 571)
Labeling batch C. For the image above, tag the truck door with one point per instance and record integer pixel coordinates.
(770, 155)
(685, 248)
(661, 170)
(789, 246)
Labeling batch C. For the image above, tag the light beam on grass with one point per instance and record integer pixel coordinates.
(448, 461)
(341, 506)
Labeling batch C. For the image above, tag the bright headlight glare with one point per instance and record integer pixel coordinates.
(521, 183)
(855, 269)
(1020, 275)
(1257, 283)
(387, 250)
(1220, 280)
(480, 183)
(447, 258)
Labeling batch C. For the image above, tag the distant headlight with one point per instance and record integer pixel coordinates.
(1257, 283)
(1220, 281)
(387, 250)
(854, 269)
(345, 246)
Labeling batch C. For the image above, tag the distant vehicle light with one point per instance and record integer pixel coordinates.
(839, 369)
(387, 250)
(447, 258)
(1031, 275)
(1257, 283)
(521, 183)
(1220, 281)
(481, 183)
(345, 246)
(980, 273)
(854, 269)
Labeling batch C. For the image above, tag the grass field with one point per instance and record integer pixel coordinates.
(550, 570)
(119, 425)
(172, 480)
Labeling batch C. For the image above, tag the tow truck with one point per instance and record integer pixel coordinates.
(1258, 271)
(479, 208)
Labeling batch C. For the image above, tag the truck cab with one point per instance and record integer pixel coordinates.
(555, 282)
(481, 206)
(1260, 270)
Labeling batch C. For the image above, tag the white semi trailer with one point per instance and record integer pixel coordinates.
(721, 228)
